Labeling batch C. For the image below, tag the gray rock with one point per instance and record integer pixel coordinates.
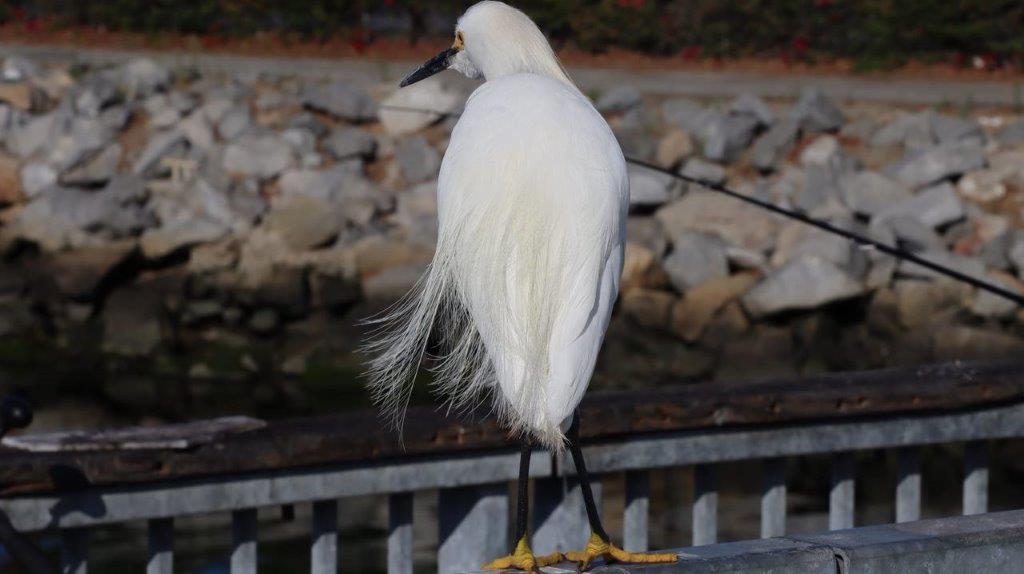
(392, 283)
(160, 145)
(323, 184)
(215, 108)
(262, 157)
(165, 119)
(1015, 254)
(912, 131)
(706, 211)
(96, 170)
(751, 105)
(143, 76)
(948, 129)
(869, 193)
(341, 100)
(694, 259)
(772, 147)
(417, 160)
(647, 231)
(967, 265)
(115, 118)
(935, 206)
(987, 304)
(302, 141)
(304, 222)
(699, 169)
(814, 112)
(197, 130)
(310, 122)
(180, 233)
(648, 188)
(636, 143)
(234, 123)
(1011, 134)
(94, 93)
(684, 113)
(913, 234)
(937, 163)
(804, 283)
(995, 253)
(725, 137)
(183, 102)
(619, 99)
(36, 134)
(347, 142)
(824, 150)
(35, 177)
(18, 68)
(821, 188)
(83, 138)
(397, 113)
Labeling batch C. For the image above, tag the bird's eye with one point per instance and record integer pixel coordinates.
(459, 41)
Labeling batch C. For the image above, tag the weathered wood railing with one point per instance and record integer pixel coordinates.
(319, 460)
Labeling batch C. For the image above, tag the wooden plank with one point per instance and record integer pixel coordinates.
(400, 547)
(74, 551)
(635, 516)
(559, 516)
(908, 484)
(161, 546)
(606, 416)
(243, 541)
(472, 526)
(323, 551)
(705, 505)
(976, 477)
(841, 494)
(773, 498)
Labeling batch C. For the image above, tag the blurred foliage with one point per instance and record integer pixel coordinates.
(873, 32)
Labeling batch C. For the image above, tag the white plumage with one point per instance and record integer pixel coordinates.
(532, 202)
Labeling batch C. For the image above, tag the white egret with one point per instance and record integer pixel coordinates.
(532, 203)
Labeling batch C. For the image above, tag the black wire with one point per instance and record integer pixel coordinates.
(860, 240)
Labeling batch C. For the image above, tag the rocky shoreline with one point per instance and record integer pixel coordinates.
(231, 227)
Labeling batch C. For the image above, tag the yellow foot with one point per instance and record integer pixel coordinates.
(522, 558)
(597, 548)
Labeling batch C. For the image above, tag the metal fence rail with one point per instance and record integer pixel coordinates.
(321, 460)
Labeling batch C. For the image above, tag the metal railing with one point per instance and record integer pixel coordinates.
(321, 460)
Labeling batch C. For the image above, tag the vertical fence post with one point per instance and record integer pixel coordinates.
(908, 484)
(559, 515)
(773, 498)
(976, 477)
(400, 533)
(161, 546)
(473, 526)
(323, 551)
(634, 520)
(705, 505)
(841, 496)
(74, 555)
(243, 541)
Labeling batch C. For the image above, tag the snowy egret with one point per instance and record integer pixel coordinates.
(532, 203)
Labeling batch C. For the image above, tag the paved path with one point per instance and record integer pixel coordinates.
(667, 82)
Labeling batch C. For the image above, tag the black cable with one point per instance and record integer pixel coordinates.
(860, 240)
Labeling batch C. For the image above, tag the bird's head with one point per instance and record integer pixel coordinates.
(493, 39)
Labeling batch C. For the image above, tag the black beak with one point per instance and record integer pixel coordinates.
(438, 63)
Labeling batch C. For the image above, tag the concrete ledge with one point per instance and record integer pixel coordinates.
(982, 543)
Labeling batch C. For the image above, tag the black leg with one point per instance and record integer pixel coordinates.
(584, 478)
(523, 502)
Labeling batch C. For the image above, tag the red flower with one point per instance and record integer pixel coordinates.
(800, 44)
